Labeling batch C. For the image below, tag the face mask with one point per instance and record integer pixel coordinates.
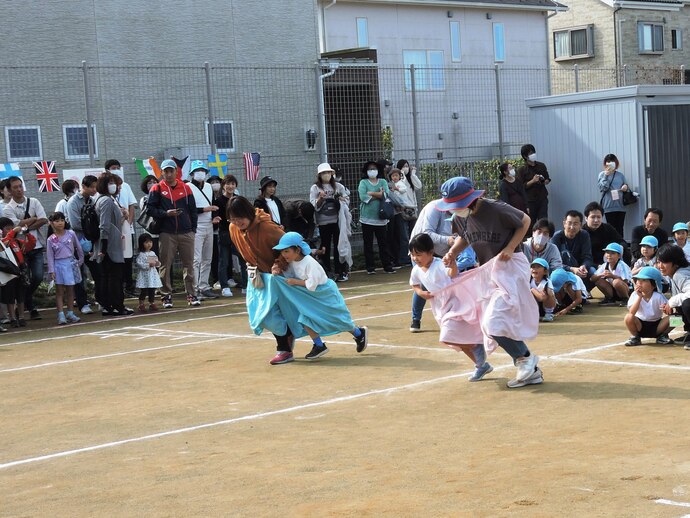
(511, 172)
(112, 188)
(532, 157)
(372, 174)
(461, 213)
(540, 239)
(611, 165)
(215, 186)
(199, 176)
(325, 178)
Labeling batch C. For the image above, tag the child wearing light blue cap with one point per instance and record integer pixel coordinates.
(648, 247)
(569, 290)
(645, 318)
(542, 289)
(680, 237)
(613, 277)
(323, 309)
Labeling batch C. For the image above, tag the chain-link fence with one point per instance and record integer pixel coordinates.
(443, 119)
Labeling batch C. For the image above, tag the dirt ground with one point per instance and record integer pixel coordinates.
(180, 414)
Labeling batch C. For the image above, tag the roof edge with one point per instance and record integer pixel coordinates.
(556, 6)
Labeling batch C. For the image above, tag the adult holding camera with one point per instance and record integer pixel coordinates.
(535, 177)
(612, 184)
(327, 197)
(172, 203)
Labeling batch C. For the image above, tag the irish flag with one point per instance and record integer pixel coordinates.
(147, 166)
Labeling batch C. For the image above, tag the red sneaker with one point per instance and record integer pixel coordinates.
(282, 357)
(142, 308)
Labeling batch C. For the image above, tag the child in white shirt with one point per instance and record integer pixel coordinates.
(542, 289)
(648, 248)
(645, 318)
(613, 277)
(304, 270)
(430, 272)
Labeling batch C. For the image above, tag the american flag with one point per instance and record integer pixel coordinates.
(251, 165)
(46, 176)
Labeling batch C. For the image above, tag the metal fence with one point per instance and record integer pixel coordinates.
(344, 112)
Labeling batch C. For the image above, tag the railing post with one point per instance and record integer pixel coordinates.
(209, 99)
(499, 111)
(89, 123)
(682, 75)
(576, 71)
(415, 125)
(625, 75)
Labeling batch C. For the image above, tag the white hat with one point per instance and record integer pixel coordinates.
(325, 168)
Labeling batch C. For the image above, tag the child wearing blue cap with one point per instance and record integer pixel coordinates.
(327, 314)
(680, 237)
(542, 289)
(648, 248)
(613, 277)
(569, 290)
(645, 318)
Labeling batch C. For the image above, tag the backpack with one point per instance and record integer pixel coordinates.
(90, 224)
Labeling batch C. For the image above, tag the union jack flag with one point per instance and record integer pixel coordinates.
(251, 165)
(46, 176)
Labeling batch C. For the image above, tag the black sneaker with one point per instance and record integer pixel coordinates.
(607, 302)
(664, 339)
(167, 301)
(415, 326)
(371, 272)
(390, 269)
(35, 315)
(317, 351)
(363, 339)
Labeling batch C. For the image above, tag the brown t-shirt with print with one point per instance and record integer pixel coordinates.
(489, 228)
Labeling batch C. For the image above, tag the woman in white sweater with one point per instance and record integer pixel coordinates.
(414, 185)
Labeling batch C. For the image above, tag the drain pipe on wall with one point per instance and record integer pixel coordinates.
(548, 57)
(324, 45)
(323, 148)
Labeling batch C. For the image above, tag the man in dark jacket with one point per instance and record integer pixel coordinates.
(651, 227)
(601, 234)
(171, 202)
(269, 203)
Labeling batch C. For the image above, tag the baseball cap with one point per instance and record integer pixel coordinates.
(541, 262)
(680, 226)
(614, 247)
(197, 164)
(650, 273)
(457, 193)
(649, 241)
(559, 277)
(292, 239)
(165, 164)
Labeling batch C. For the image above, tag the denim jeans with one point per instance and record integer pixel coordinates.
(418, 304)
(225, 253)
(34, 261)
(515, 348)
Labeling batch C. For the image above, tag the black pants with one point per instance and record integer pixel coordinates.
(685, 313)
(398, 238)
(330, 234)
(113, 295)
(538, 209)
(284, 342)
(147, 292)
(616, 220)
(368, 233)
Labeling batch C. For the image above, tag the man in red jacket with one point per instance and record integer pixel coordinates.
(171, 202)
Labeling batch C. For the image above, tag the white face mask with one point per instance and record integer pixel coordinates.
(611, 165)
(326, 177)
(532, 157)
(373, 173)
(540, 239)
(112, 188)
(511, 172)
(461, 213)
(199, 176)
(215, 186)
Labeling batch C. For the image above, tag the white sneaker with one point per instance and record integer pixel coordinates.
(536, 378)
(216, 286)
(232, 283)
(86, 309)
(226, 292)
(525, 366)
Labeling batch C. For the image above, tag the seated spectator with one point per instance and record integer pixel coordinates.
(672, 263)
(613, 277)
(652, 219)
(680, 238)
(601, 234)
(510, 189)
(570, 292)
(269, 202)
(648, 248)
(539, 246)
(542, 289)
(575, 247)
(645, 318)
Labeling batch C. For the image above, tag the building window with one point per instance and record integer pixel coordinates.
(429, 71)
(362, 32)
(651, 38)
(455, 54)
(76, 142)
(573, 43)
(676, 39)
(223, 131)
(23, 142)
(499, 43)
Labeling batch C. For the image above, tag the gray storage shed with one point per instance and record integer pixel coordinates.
(646, 127)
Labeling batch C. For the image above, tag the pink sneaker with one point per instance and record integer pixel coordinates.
(282, 357)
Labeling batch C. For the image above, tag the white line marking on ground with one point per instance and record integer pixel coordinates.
(672, 502)
(625, 364)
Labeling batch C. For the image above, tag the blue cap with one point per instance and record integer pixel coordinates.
(165, 164)
(541, 262)
(292, 239)
(650, 273)
(457, 193)
(614, 247)
(649, 241)
(197, 164)
(680, 226)
(559, 277)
